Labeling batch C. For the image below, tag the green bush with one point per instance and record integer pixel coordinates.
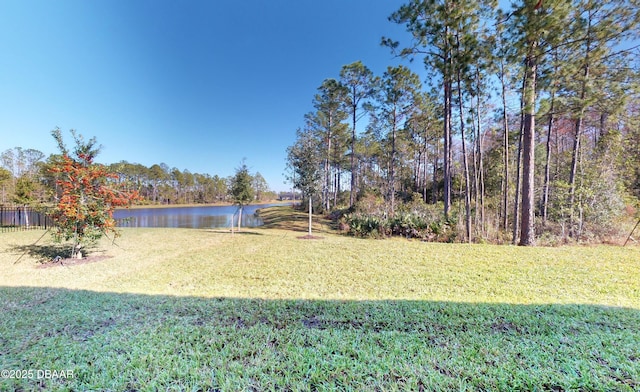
(362, 225)
(401, 224)
(413, 219)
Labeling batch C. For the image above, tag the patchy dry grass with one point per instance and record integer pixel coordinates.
(262, 310)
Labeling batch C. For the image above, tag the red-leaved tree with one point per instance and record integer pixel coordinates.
(86, 194)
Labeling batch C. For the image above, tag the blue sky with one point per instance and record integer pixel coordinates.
(198, 85)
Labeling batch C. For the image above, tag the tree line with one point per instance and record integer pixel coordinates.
(26, 178)
(527, 125)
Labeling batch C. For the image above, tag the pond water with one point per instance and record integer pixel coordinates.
(189, 217)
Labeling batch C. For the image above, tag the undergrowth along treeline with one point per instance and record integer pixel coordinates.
(371, 218)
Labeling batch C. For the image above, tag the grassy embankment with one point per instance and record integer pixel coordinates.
(179, 309)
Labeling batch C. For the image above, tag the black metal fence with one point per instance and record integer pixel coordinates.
(23, 218)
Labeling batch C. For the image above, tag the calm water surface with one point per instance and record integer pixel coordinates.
(189, 217)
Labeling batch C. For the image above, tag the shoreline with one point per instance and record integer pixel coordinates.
(159, 206)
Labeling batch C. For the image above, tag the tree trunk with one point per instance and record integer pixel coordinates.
(447, 149)
(434, 179)
(467, 192)
(505, 146)
(447, 126)
(572, 176)
(481, 189)
(576, 140)
(327, 167)
(547, 165)
(336, 186)
(475, 189)
(310, 215)
(392, 173)
(527, 218)
(516, 204)
(353, 153)
(425, 163)
(76, 244)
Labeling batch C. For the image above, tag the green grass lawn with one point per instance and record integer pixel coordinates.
(201, 310)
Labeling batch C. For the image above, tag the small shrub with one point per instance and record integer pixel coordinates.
(362, 225)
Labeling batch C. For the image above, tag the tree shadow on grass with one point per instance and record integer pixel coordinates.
(44, 253)
(117, 341)
(48, 253)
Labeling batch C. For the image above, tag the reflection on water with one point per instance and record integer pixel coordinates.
(188, 217)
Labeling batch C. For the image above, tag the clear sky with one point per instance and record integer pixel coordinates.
(198, 85)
